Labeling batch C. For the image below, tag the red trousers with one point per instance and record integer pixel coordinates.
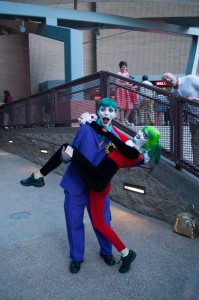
(97, 216)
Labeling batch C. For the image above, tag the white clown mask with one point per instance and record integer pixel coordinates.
(106, 115)
(141, 138)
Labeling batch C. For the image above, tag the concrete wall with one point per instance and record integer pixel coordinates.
(168, 192)
(14, 62)
(146, 53)
(27, 61)
(46, 60)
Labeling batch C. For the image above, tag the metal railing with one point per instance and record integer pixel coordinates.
(173, 115)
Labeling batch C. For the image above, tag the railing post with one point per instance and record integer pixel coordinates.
(28, 112)
(104, 85)
(54, 107)
(176, 129)
(54, 111)
(173, 124)
(11, 114)
(179, 131)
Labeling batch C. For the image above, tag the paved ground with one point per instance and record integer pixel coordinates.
(34, 250)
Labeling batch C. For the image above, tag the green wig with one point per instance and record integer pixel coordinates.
(153, 145)
(107, 102)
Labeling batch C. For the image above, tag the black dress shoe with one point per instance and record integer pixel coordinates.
(32, 181)
(75, 266)
(126, 261)
(109, 259)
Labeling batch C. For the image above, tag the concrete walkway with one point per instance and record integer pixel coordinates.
(34, 253)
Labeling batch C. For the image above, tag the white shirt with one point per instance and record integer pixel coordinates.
(145, 91)
(188, 86)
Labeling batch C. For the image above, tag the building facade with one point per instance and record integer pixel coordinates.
(28, 60)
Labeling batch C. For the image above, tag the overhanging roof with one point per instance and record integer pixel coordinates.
(182, 21)
(83, 20)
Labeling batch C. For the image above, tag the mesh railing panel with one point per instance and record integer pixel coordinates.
(72, 101)
(19, 118)
(189, 133)
(62, 105)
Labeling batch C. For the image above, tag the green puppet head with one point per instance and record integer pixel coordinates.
(153, 145)
(148, 139)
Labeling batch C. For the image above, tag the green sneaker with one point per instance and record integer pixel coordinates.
(32, 181)
(126, 261)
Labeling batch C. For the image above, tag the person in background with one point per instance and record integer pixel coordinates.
(146, 103)
(188, 86)
(134, 114)
(46, 109)
(7, 115)
(7, 97)
(124, 96)
(167, 116)
(159, 109)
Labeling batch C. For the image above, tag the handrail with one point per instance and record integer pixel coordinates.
(62, 105)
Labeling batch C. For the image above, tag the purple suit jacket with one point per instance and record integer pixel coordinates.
(87, 141)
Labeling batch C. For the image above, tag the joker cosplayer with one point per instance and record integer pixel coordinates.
(92, 145)
(145, 146)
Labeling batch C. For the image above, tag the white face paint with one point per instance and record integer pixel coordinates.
(106, 115)
(141, 138)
